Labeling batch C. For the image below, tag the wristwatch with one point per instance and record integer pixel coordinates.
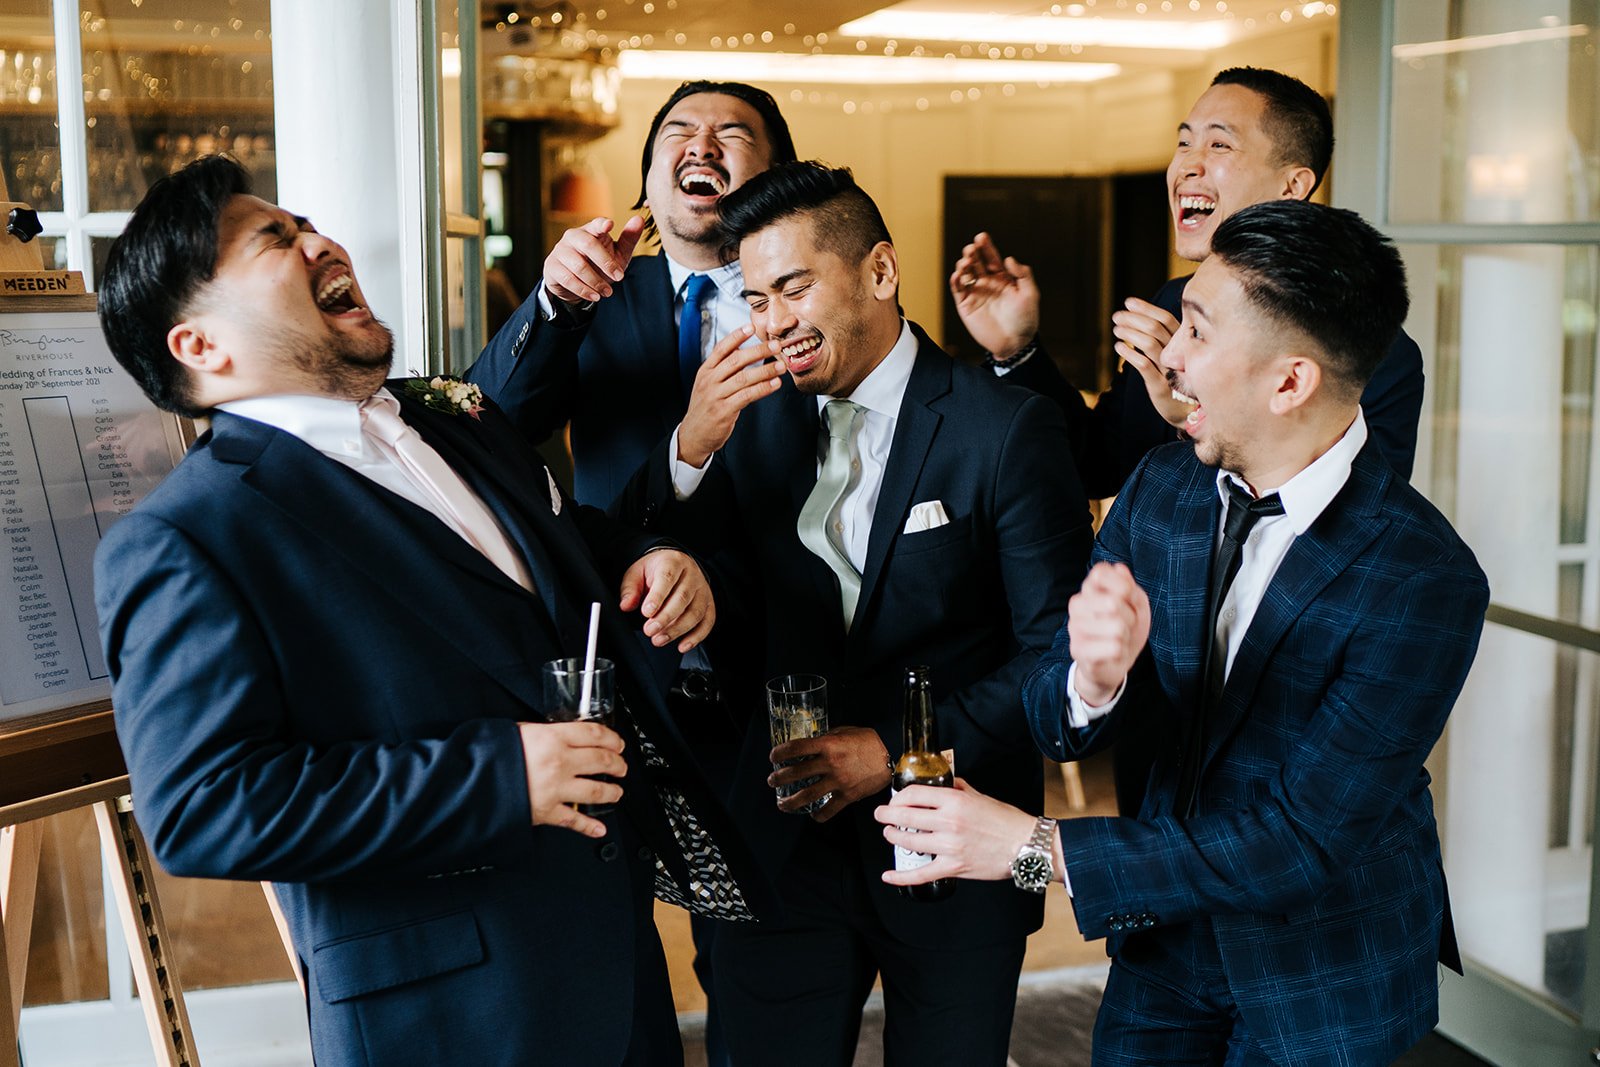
(1033, 869)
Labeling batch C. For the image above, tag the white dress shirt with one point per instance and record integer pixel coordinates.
(1304, 497)
(880, 393)
(333, 427)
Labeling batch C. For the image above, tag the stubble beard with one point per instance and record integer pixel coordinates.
(351, 368)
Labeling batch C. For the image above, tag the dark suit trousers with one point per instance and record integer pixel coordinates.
(791, 993)
(1167, 1002)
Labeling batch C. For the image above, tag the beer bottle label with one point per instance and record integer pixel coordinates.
(907, 860)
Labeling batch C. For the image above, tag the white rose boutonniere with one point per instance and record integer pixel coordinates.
(450, 395)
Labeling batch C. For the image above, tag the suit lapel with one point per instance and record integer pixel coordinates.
(1340, 535)
(1187, 546)
(914, 432)
(649, 298)
(513, 492)
(446, 584)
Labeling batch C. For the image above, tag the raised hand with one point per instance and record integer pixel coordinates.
(1108, 622)
(729, 380)
(851, 761)
(671, 592)
(584, 263)
(559, 756)
(1143, 331)
(996, 298)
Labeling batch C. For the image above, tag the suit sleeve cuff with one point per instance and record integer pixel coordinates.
(685, 478)
(561, 314)
(1079, 713)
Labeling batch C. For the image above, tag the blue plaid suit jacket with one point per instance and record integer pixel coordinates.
(1314, 854)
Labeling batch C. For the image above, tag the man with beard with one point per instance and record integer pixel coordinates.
(612, 344)
(887, 508)
(324, 631)
(1304, 620)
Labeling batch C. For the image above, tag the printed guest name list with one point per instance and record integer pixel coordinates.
(79, 447)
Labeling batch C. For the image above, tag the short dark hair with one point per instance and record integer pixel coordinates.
(777, 129)
(847, 222)
(1323, 272)
(166, 254)
(1297, 119)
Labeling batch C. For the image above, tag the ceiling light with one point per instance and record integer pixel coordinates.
(1487, 40)
(852, 69)
(919, 25)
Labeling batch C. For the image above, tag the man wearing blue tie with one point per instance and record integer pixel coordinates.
(1299, 621)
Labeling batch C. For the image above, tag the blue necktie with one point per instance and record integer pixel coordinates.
(694, 296)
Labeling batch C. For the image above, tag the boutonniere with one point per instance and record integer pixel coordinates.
(450, 395)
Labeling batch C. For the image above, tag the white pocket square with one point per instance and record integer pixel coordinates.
(926, 516)
(555, 492)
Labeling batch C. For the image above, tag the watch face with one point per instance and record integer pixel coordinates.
(1032, 870)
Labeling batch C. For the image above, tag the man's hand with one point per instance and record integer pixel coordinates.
(852, 763)
(996, 298)
(728, 381)
(1143, 331)
(968, 834)
(671, 592)
(1108, 622)
(584, 263)
(559, 756)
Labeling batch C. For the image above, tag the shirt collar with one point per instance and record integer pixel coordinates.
(885, 387)
(326, 423)
(1307, 495)
(728, 278)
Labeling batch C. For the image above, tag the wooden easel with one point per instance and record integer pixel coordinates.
(72, 761)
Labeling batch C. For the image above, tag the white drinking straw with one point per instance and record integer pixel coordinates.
(588, 660)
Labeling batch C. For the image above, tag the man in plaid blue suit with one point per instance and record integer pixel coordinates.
(1280, 898)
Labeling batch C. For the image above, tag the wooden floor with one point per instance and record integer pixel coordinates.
(222, 933)
(1056, 944)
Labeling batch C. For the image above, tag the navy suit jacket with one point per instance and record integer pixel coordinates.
(612, 373)
(317, 683)
(1113, 436)
(1314, 854)
(977, 600)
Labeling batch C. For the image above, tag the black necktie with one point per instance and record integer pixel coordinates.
(1244, 512)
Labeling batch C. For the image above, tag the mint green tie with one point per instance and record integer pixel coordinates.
(819, 526)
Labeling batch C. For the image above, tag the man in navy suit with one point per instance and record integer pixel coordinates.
(325, 631)
(887, 508)
(1255, 135)
(602, 342)
(1303, 621)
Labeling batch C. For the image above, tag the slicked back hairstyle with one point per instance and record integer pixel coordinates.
(1323, 272)
(845, 220)
(1297, 118)
(166, 254)
(778, 137)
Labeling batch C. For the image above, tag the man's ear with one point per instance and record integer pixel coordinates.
(883, 267)
(192, 346)
(1298, 183)
(1300, 380)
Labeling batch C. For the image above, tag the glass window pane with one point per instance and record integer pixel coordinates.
(1495, 113)
(186, 87)
(450, 140)
(30, 143)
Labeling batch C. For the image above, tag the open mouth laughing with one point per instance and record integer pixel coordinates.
(800, 354)
(702, 183)
(333, 289)
(1196, 410)
(1194, 210)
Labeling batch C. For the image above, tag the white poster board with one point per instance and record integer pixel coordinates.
(79, 447)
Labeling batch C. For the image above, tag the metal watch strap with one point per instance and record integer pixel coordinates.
(1044, 832)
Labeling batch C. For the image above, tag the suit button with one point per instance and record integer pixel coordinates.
(1115, 924)
(1147, 920)
(644, 853)
(608, 851)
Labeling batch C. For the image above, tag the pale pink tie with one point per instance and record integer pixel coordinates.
(454, 501)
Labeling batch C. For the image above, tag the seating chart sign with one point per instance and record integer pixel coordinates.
(79, 447)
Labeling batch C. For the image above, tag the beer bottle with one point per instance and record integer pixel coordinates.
(921, 763)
